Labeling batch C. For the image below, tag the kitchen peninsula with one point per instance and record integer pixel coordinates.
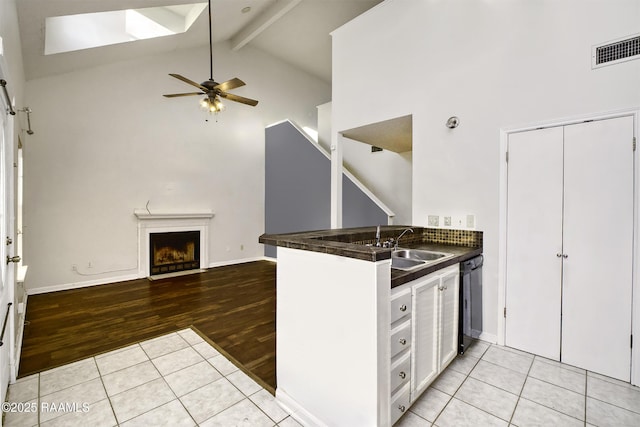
(356, 340)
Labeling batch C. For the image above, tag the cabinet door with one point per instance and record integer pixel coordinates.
(598, 242)
(424, 352)
(534, 238)
(449, 315)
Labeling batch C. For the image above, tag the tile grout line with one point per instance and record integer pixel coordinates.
(545, 406)
(106, 392)
(38, 399)
(163, 377)
(178, 397)
(520, 394)
(459, 387)
(586, 389)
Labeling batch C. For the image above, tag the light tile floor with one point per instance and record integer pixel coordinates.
(181, 380)
(174, 380)
(492, 385)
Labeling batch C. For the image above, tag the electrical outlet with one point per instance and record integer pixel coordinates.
(447, 221)
(434, 220)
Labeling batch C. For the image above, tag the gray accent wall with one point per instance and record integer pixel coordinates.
(298, 188)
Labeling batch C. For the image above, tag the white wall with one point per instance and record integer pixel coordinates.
(495, 64)
(385, 173)
(107, 142)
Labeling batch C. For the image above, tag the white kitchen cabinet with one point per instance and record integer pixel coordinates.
(449, 316)
(426, 325)
(431, 316)
(570, 207)
(435, 326)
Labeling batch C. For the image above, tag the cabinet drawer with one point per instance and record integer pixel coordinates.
(400, 338)
(399, 403)
(400, 304)
(401, 372)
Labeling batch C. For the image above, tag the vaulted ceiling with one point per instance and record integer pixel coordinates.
(295, 31)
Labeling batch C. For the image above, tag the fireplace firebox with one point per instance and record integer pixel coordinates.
(173, 252)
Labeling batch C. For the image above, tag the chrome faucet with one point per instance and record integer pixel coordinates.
(401, 234)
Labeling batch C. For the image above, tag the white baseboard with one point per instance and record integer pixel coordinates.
(298, 413)
(106, 280)
(492, 338)
(78, 285)
(239, 261)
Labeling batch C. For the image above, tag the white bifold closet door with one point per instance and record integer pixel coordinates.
(570, 244)
(534, 237)
(598, 242)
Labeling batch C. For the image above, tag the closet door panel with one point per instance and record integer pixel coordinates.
(598, 243)
(534, 237)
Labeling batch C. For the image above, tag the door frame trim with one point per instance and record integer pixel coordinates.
(502, 222)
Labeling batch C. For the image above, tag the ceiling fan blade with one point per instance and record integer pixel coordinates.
(238, 98)
(174, 95)
(230, 84)
(191, 82)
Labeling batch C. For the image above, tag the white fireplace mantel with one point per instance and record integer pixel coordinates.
(168, 221)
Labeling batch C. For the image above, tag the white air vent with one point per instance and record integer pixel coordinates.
(615, 51)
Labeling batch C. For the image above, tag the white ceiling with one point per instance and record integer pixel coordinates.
(296, 31)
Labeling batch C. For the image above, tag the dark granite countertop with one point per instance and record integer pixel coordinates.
(356, 243)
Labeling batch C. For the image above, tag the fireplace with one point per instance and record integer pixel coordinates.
(169, 222)
(172, 252)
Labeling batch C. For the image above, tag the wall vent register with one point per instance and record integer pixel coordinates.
(616, 51)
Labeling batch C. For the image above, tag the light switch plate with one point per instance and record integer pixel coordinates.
(434, 221)
(471, 221)
(447, 221)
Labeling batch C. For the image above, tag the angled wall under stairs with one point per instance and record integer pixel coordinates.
(298, 187)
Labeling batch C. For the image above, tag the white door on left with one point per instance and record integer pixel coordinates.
(7, 247)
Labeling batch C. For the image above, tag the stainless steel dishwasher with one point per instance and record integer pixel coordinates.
(470, 322)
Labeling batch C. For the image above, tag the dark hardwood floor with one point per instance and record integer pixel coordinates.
(233, 306)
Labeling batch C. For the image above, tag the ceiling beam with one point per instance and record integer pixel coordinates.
(262, 22)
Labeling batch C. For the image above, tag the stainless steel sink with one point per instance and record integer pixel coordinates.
(418, 254)
(405, 263)
(409, 259)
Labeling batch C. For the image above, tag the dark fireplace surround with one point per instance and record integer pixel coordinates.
(173, 252)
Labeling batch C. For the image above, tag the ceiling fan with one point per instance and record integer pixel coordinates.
(213, 90)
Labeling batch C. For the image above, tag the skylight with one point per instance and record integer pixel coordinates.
(87, 30)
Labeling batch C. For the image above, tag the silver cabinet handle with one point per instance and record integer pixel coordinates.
(402, 341)
(559, 255)
(401, 408)
(403, 307)
(565, 256)
(403, 375)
